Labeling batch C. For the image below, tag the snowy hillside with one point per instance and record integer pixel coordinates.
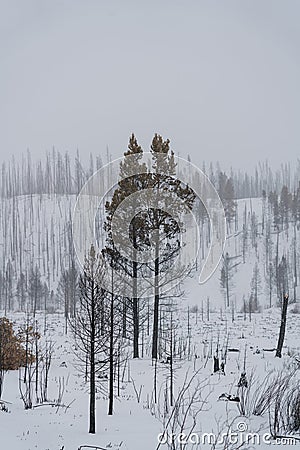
(204, 327)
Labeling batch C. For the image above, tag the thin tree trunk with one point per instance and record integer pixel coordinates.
(135, 311)
(171, 363)
(155, 381)
(295, 264)
(156, 303)
(111, 356)
(124, 318)
(276, 263)
(36, 363)
(227, 290)
(92, 428)
(282, 326)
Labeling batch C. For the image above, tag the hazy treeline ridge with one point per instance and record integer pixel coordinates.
(59, 173)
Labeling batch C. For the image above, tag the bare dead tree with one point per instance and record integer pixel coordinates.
(89, 325)
(282, 325)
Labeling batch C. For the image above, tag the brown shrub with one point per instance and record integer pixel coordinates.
(12, 351)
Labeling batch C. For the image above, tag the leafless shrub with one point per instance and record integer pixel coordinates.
(280, 420)
(26, 387)
(222, 436)
(245, 394)
(138, 392)
(293, 410)
(182, 417)
(266, 391)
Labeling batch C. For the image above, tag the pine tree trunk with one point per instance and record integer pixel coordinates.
(155, 381)
(282, 326)
(277, 263)
(135, 329)
(124, 319)
(216, 364)
(111, 358)
(171, 363)
(295, 264)
(227, 289)
(135, 313)
(92, 428)
(156, 303)
(135, 309)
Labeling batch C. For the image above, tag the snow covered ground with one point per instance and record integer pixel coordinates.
(133, 425)
(137, 419)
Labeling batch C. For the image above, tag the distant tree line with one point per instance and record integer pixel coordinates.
(60, 173)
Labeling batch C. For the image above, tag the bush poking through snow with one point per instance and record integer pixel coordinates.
(12, 353)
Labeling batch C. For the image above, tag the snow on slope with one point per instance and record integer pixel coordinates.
(136, 425)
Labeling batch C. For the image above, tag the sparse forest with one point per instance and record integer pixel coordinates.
(173, 354)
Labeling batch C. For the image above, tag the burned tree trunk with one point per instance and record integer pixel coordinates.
(216, 363)
(156, 305)
(111, 355)
(282, 325)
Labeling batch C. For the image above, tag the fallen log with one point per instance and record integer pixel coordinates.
(93, 447)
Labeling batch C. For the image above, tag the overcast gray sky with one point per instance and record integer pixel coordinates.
(219, 78)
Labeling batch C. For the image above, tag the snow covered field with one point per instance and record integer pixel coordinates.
(204, 328)
(134, 424)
